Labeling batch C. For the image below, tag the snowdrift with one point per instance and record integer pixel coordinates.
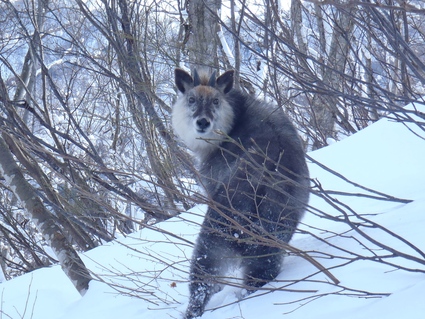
(145, 275)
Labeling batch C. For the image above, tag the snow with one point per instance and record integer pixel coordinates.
(145, 275)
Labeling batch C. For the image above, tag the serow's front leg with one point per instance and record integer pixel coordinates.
(207, 265)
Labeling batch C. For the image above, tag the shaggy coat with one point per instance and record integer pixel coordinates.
(253, 169)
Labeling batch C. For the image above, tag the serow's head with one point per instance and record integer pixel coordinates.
(202, 115)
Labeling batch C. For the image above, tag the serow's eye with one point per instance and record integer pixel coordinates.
(191, 100)
(216, 101)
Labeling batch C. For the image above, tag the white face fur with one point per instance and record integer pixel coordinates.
(202, 118)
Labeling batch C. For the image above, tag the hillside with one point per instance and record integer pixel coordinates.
(387, 157)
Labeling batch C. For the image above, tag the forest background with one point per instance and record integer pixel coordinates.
(87, 153)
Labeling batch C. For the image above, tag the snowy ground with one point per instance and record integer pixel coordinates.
(386, 157)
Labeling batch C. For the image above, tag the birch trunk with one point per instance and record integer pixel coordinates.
(69, 260)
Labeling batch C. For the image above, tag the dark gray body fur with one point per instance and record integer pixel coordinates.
(257, 178)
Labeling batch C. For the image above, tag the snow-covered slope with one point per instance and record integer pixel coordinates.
(386, 157)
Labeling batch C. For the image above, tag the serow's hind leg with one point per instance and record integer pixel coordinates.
(207, 265)
(261, 268)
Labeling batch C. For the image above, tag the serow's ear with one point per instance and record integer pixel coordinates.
(183, 80)
(224, 82)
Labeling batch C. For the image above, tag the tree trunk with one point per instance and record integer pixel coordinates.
(203, 42)
(71, 263)
(324, 108)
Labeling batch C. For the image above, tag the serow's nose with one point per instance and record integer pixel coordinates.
(203, 124)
